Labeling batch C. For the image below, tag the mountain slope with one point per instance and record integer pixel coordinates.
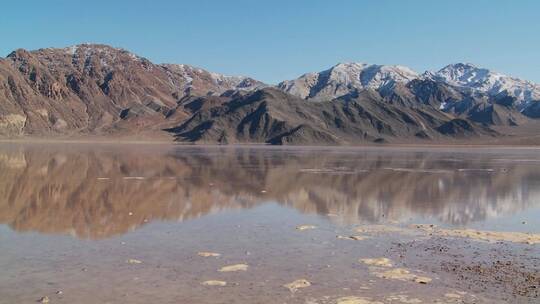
(275, 117)
(97, 89)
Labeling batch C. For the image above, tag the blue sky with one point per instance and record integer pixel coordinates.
(277, 40)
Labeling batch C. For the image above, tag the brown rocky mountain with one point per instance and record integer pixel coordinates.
(100, 91)
(275, 117)
(97, 89)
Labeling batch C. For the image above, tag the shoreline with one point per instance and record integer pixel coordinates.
(112, 141)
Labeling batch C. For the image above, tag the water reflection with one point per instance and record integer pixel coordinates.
(100, 191)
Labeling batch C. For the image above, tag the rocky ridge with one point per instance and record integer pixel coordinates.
(98, 90)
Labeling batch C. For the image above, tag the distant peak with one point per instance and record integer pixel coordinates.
(350, 64)
(461, 65)
(471, 76)
(464, 69)
(88, 48)
(95, 46)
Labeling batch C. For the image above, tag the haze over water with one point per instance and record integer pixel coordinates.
(75, 213)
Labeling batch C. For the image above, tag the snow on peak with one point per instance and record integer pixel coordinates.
(71, 50)
(469, 76)
(189, 71)
(344, 77)
(105, 51)
(193, 77)
(363, 75)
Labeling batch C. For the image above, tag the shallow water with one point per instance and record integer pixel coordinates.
(71, 216)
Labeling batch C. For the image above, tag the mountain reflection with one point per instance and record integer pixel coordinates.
(100, 191)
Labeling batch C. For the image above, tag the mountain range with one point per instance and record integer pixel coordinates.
(93, 90)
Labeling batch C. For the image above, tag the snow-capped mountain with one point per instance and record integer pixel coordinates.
(102, 90)
(466, 75)
(343, 78)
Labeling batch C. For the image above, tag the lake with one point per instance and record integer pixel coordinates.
(138, 223)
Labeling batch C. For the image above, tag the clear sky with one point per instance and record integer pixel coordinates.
(277, 40)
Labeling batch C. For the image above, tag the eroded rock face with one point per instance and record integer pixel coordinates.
(86, 88)
(12, 124)
(275, 117)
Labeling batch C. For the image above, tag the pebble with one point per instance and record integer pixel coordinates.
(206, 254)
(133, 261)
(422, 280)
(352, 237)
(356, 300)
(384, 262)
(237, 267)
(452, 296)
(214, 283)
(294, 286)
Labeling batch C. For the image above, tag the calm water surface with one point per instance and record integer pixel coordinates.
(71, 215)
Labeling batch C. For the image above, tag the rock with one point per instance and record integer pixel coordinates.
(294, 286)
(402, 275)
(403, 299)
(356, 300)
(422, 280)
(208, 254)
(44, 299)
(305, 227)
(236, 267)
(133, 261)
(214, 283)
(352, 237)
(384, 262)
(452, 295)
